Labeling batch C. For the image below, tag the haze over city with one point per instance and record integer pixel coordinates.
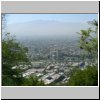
(47, 25)
(50, 50)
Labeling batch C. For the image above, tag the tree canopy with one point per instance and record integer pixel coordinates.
(89, 39)
(14, 54)
(86, 77)
(88, 42)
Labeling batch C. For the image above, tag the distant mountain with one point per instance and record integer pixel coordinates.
(45, 29)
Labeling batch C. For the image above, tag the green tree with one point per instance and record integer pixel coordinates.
(89, 43)
(89, 39)
(32, 80)
(12, 54)
(86, 77)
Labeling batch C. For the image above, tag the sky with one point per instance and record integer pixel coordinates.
(18, 18)
(47, 25)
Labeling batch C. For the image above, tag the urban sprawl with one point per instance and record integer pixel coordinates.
(53, 60)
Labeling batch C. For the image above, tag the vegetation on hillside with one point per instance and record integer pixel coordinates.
(14, 54)
(89, 43)
(86, 77)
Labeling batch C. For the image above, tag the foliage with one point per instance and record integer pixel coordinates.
(89, 43)
(14, 54)
(32, 80)
(86, 77)
(89, 39)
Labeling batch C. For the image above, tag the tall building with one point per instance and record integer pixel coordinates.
(54, 53)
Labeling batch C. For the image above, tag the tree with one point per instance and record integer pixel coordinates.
(32, 80)
(89, 43)
(89, 39)
(14, 54)
(86, 77)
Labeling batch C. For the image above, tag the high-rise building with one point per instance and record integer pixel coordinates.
(54, 53)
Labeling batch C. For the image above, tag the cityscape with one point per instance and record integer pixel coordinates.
(53, 60)
(50, 50)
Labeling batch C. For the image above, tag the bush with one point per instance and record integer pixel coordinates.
(86, 77)
(32, 81)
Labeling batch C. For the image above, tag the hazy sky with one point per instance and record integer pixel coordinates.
(47, 25)
(18, 18)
